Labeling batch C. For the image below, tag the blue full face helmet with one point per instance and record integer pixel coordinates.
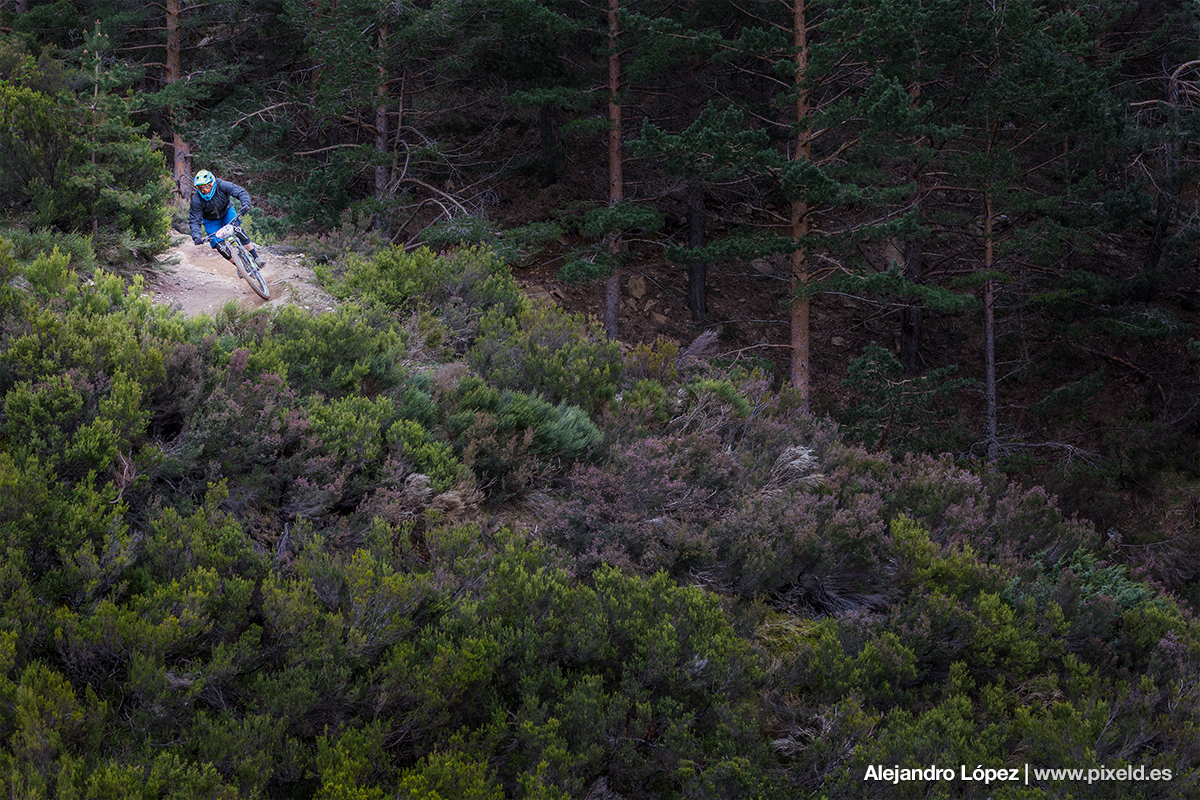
(206, 184)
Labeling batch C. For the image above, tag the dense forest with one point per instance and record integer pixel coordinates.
(855, 452)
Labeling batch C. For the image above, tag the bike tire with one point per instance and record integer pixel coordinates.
(253, 277)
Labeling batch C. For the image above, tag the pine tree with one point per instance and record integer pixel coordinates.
(1021, 87)
(81, 164)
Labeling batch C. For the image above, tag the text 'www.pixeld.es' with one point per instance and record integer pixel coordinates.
(1025, 774)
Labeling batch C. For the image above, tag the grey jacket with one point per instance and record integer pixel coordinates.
(215, 208)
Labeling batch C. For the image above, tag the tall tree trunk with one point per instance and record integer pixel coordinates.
(913, 254)
(800, 224)
(548, 168)
(912, 315)
(382, 220)
(697, 271)
(1168, 191)
(181, 166)
(989, 334)
(95, 125)
(616, 181)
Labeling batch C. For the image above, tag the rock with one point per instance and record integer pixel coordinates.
(637, 287)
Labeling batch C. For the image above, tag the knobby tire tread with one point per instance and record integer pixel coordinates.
(252, 275)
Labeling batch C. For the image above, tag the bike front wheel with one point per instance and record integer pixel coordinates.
(252, 275)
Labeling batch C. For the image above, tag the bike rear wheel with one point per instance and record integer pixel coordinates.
(253, 277)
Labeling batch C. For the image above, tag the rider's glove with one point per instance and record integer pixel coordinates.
(195, 240)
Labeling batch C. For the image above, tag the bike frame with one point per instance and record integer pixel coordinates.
(230, 233)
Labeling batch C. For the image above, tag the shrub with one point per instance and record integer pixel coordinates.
(544, 350)
(461, 287)
(512, 246)
(352, 349)
(823, 550)
(655, 361)
(511, 439)
(111, 177)
(28, 245)
(901, 414)
(648, 508)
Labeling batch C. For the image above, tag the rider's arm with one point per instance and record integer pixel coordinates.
(194, 223)
(241, 194)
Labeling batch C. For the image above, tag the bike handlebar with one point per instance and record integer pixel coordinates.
(235, 225)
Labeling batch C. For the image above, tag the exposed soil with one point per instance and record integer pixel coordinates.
(198, 280)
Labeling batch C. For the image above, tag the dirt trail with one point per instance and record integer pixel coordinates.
(197, 280)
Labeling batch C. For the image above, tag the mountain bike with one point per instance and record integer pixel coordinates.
(230, 235)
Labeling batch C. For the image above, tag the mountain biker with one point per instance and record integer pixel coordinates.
(211, 208)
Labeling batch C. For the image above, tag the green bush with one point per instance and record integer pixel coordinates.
(512, 440)
(29, 244)
(544, 350)
(461, 287)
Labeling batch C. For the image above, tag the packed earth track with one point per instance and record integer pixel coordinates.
(198, 280)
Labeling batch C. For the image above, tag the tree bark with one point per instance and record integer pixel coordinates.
(548, 168)
(697, 270)
(989, 335)
(799, 220)
(912, 315)
(1164, 207)
(616, 181)
(181, 166)
(382, 220)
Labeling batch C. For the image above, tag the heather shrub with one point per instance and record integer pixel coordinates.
(806, 548)
(648, 508)
(545, 351)
(944, 497)
(1017, 523)
(775, 433)
(253, 430)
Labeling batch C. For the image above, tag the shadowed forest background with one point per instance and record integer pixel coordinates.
(720, 399)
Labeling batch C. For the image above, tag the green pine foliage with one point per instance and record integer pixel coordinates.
(78, 164)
